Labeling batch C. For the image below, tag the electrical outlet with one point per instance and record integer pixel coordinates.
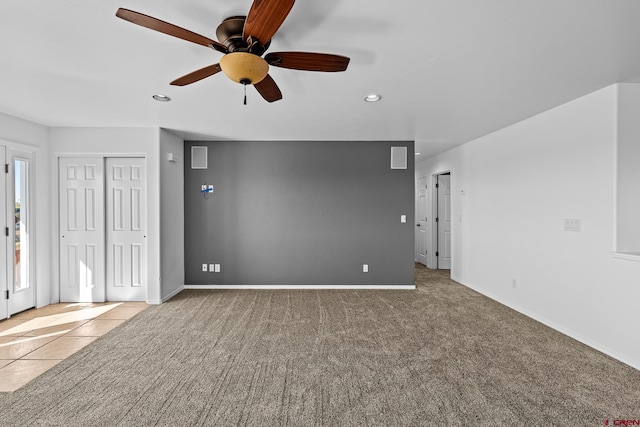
(365, 268)
(204, 267)
(211, 268)
(217, 268)
(403, 219)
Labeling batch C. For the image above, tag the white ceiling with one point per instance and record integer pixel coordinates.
(449, 71)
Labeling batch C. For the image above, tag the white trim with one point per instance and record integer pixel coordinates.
(432, 259)
(616, 107)
(631, 256)
(267, 287)
(167, 297)
(303, 287)
(98, 155)
(19, 146)
(571, 334)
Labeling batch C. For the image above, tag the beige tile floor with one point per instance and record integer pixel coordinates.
(38, 339)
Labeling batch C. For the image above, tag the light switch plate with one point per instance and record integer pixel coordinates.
(573, 224)
(403, 218)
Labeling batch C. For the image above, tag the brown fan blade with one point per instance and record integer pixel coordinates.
(200, 74)
(265, 17)
(170, 29)
(308, 61)
(268, 89)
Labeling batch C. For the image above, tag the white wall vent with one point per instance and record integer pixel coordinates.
(198, 157)
(398, 157)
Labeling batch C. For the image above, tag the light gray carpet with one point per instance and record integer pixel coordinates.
(440, 355)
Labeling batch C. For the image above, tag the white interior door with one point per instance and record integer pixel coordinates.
(21, 283)
(444, 221)
(4, 261)
(126, 229)
(81, 191)
(422, 229)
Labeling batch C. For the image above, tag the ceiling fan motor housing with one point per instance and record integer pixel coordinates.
(229, 33)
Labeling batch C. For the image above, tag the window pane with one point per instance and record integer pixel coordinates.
(21, 243)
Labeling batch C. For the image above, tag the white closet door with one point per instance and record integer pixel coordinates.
(81, 185)
(126, 229)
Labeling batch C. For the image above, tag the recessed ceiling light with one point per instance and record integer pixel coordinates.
(161, 98)
(372, 98)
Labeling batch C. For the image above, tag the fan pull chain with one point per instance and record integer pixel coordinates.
(245, 82)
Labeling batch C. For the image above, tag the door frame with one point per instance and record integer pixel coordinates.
(433, 260)
(9, 146)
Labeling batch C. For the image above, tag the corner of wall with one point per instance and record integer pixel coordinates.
(171, 180)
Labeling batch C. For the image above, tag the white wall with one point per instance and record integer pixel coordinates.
(628, 169)
(18, 133)
(171, 215)
(114, 142)
(511, 191)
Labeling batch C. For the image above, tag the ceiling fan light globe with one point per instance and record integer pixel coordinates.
(243, 66)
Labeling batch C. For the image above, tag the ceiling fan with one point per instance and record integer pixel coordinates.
(243, 40)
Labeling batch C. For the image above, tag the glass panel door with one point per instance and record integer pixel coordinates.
(21, 237)
(4, 284)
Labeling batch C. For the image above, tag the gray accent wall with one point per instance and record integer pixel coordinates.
(299, 213)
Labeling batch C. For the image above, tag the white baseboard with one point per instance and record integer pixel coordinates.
(571, 334)
(273, 287)
(308, 287)
(167, 297)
